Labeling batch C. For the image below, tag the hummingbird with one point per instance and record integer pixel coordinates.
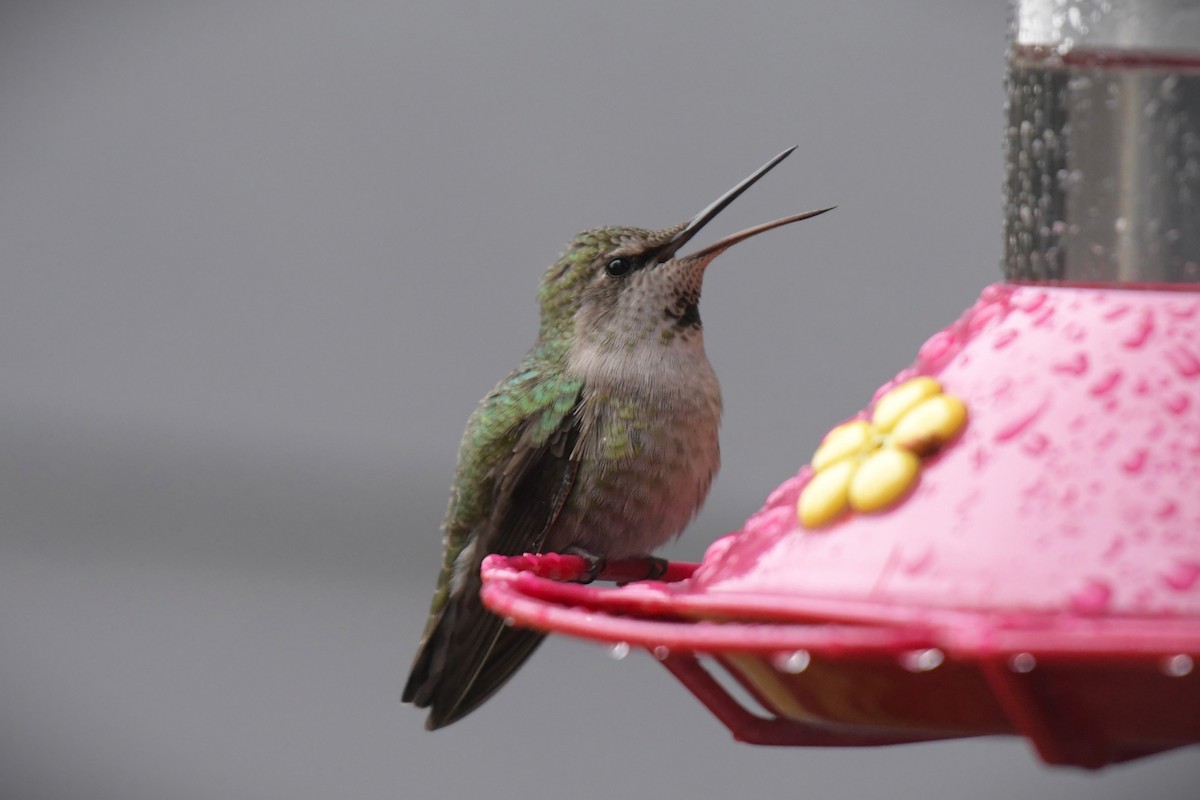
(602, 442)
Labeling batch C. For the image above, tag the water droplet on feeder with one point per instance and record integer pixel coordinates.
(922, 660)
(1106, 384)
(1077, 365)
(1141, 332)
(618, 651)
(1185, 362)
(661, 652)
(1004, 338)
(1035, 444)
(1166, 509)
(1178, 666)
(1178, 404)
(1136, 461)
(1092, 599)
(1182, 576)
(793, 663)
(1022, 662)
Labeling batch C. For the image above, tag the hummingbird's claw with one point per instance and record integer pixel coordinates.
(655, 568)
(649, 568)
(595, 564)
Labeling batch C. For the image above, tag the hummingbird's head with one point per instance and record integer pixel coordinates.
(616, 289)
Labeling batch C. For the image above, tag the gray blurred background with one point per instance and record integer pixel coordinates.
(260, 259)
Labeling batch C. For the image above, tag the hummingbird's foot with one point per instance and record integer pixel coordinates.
(655, 568)
(595, 564)
(641, 568)
(621, 571)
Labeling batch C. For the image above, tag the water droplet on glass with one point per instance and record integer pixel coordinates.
(1168, 89)
(793, 663)
(922, 660)
(661, 652)
(1177, 666)
(618, 651)
(509, 622)
(1022, 662)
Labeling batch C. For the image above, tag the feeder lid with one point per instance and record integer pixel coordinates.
(1071, 486)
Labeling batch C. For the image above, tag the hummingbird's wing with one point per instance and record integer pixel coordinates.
(468, 652)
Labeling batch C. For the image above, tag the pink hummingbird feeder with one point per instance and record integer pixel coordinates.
(1006, 540)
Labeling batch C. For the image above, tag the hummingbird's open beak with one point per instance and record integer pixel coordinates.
(672, 245)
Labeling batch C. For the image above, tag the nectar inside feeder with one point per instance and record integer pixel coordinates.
(1006, 539)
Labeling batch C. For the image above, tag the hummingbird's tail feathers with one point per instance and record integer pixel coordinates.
(429, 665)
(429, 661)
(512, 648)
(467, 657)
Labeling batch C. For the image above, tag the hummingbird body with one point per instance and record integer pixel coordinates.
(602, 441)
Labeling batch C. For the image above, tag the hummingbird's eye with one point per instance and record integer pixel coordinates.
(618, 267)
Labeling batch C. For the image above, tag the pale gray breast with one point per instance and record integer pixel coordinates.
(649, 452)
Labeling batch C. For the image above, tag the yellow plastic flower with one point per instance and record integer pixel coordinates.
(868, 466)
